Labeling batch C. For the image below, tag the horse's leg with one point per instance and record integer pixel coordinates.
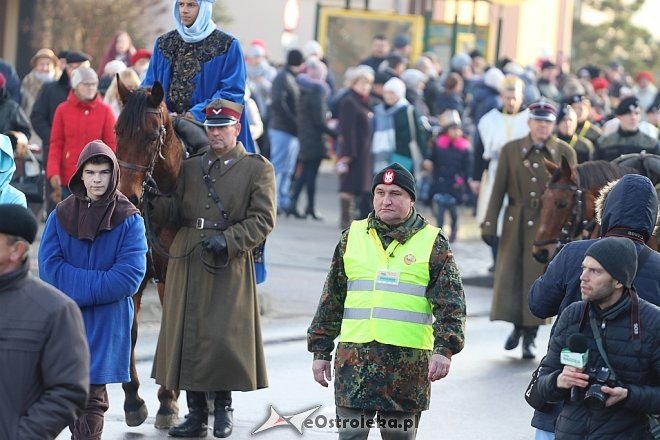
(135, 410)
(168, 413)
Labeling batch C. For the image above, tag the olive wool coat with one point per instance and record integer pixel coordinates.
(210, 336)
(521, 174)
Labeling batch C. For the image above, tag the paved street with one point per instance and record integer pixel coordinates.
(480, 399)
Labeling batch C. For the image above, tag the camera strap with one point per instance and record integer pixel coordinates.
(599, 344)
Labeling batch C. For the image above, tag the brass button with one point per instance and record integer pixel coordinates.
(533, 194)
(209, 195)
(535, 165)
(510, 218)
(530, 223)
(202, 235)
(213, 180)
(207, 206)
(533, 179)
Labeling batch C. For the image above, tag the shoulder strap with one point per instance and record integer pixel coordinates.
(214, 194)
(599, 344)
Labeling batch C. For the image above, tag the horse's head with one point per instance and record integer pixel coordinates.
(557, 206)
(146, 143)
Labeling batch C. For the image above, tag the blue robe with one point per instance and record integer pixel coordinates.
(217, 71)
(101, 276)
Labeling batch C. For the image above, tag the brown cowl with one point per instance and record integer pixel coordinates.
(84, 219)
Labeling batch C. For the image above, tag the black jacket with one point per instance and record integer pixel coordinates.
(44, 359)
(12, 117)
(637, 370)
(312, 116)
(43, 112)
(285, 100)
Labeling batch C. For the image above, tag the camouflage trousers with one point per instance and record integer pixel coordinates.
(355, 424)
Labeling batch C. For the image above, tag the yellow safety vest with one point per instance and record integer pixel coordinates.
(386, 297)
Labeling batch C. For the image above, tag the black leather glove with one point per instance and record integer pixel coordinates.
(490, 240)
(217, 245)
(150, 187)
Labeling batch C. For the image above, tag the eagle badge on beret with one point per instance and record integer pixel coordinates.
(388, 177)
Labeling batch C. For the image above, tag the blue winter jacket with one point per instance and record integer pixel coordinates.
(632, 204)
(101, 276)
(8, 194)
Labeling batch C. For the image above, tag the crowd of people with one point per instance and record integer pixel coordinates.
(400, 131)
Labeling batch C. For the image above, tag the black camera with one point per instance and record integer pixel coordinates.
(594, 397)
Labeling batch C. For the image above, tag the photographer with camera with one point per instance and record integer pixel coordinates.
(619, 385)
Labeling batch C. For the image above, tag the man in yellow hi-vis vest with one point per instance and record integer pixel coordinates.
(394, 297)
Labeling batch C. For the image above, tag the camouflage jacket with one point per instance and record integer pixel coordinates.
(384, 377)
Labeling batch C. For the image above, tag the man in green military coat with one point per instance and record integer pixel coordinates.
(210, 336)
(521, 175)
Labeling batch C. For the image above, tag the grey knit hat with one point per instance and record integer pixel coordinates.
(618, 256)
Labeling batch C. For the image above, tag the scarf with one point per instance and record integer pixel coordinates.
(83, 218)
(203, 25)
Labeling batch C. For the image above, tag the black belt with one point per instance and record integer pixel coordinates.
(204, 223)
(531, 203)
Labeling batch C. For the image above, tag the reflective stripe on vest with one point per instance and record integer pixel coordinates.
(391, 311)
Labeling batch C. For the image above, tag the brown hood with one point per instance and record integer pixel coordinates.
(83, 218)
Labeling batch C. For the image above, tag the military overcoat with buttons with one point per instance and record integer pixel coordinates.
(521, 174)
(210, 337)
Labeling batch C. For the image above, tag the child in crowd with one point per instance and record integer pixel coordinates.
(449, 163)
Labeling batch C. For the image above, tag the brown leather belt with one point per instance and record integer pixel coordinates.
(204, 223)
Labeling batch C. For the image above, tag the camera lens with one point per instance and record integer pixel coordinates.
(594, 398)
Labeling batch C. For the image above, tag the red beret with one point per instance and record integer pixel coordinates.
(644, 74)
(139, 54)
(600, 83)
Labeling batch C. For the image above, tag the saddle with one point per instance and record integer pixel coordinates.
(191, 133)
(647, 164)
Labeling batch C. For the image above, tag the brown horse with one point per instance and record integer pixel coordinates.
(147, 147)
(568, 203)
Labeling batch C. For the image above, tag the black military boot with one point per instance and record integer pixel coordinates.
(514, 338)
(196, 423)
(529, 337)
(223, 422)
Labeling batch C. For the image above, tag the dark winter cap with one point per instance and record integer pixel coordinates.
(547, 64)
(18, 221)
(401, 41)
(563, 112)
(395, 174)
(627, 105)
(294, 58)
(618, 256)
(77, 57)
(574, 99)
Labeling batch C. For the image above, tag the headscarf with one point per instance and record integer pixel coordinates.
(203, 25)
(84, 219)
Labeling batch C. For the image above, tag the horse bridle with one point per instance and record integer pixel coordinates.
(148, 175)
(158, 152)
(576, 222)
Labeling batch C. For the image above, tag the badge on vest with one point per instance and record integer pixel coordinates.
(409, 259)
(388, 277)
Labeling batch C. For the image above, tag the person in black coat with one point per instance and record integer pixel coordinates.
(614, 406)
(312, 131)
(631, 211)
